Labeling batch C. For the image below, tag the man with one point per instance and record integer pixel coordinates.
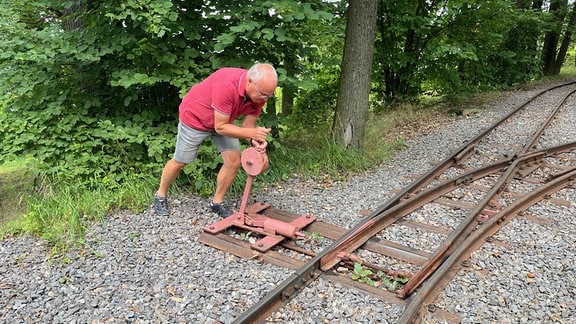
(210, 109)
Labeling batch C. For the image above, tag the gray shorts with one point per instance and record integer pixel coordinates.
(189, 139)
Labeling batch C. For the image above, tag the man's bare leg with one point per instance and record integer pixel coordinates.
(227, 174)
(169, 174)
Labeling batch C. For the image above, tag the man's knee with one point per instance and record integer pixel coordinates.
(234, 164)
(232, 160)
(177, 164)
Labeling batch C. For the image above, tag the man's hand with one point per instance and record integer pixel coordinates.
(258, 141)
(260, 134)
(259, 146)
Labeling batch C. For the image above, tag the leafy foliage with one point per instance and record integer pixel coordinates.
(362, 274)
(91, 89)
(367, 276)
(450, 47)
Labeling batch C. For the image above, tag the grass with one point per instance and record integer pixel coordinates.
(17, 180)
(61, 212)
(568, 71)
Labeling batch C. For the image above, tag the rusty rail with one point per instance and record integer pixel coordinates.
(464, 248)
(410, 198)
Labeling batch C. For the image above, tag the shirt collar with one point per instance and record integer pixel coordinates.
(242, 87)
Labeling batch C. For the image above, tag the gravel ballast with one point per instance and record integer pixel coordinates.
(142, 268)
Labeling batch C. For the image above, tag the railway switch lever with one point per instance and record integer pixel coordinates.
(274, 231)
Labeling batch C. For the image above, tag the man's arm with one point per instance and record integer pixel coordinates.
(250, 121)
(248, 130)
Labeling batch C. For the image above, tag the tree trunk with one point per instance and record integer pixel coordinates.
(269, 118)
(289, 89)
(567, 39)
(551, 39)
(353, 94)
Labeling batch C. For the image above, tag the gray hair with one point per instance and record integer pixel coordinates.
(262, 70)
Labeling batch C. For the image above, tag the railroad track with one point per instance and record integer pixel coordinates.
(461, 202)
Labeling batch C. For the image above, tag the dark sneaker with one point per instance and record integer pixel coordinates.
(161, 205)
(221, 209)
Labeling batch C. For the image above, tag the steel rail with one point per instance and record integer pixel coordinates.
(359, 234)
(384, 219)
(462, 231)
(532, 143)
(292, 285)
(311, 270)
(488, 228)
(456, 238)
(456, 158)
(465, 227)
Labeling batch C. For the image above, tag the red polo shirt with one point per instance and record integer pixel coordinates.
(222, 91)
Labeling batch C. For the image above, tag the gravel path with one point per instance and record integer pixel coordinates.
(140, 268)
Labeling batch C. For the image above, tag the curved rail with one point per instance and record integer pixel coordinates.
(488, 228)
(357, 236)
(410, 198)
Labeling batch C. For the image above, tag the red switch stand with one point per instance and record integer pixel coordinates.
(274, 231)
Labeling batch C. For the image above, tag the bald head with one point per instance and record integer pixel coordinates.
(262, 82)
(261, 71)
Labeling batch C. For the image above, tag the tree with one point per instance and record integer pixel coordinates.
(91, 88)
(405, 30)
(354, 90)
(558, 37)
(275, 32)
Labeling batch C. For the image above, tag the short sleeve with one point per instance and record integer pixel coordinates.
(223, 97)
